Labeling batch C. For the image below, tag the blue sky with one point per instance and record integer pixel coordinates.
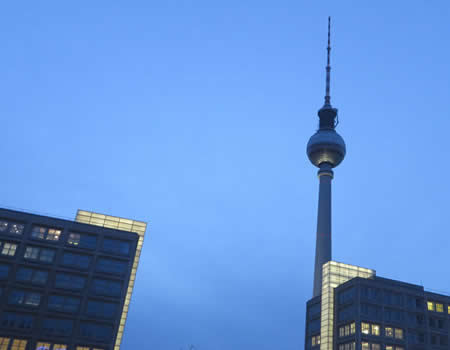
(194, 116)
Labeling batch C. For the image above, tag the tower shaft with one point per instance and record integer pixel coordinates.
(323, 234)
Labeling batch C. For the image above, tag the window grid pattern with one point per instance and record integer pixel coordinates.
(11, 227)
(8, 249)
(19, 344)
(45, 233)
(333, 275)
(114, 222)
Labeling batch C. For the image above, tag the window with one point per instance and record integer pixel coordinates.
(8, 249)
(398, 333)
(43, 346)
(439, 307)
(376, 347)
(53, 326)
(370, 346)
(101, 333)
(111, 266)
(4, 342)
(16, 321)
(41, 254)
(32, 276)
(115, 246)
(76, 261)
(315, 340)
(60, 347)
(448, 309)
(11, 227)
(19, 344)
(347, 346)
(365, 345)
(375, 329)
(101, 309)
(69, 281)
(430, 305)
(45, 233)
(389, 332)
(20, 297)
(106, 287)
(83, 348)
(347, 330)
(347, 296)
(63, 303)
(4, 272)
(365, 328)
(82, 240)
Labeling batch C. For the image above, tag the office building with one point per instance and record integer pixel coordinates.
(66, 284)
(352, 308)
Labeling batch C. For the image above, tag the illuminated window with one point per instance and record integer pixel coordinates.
(8, 249)
(448, 309)
(60, 347)
(439, 307)
(43, 346)
(399, 348)
(430, 305)
(388, 332)
(398, 333)
(375, 329)
(365, 345)
(352, 328)
(315, 340)
(365, 328)
(341, 331)
(49, 234)
(376, 347)
(83, 348)
(4, 342)
(11, 227)
(19, 344)
(389, 347)
(82, 240)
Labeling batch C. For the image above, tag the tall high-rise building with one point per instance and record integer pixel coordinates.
(66, 285)
(352, 308)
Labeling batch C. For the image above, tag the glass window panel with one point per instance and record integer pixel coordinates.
(365, 328)
(430, 305)
(49, 234)
(439, 307)
(4, 271)
(398, 333)
(43, 346)
(389, 332)
(375, 329)
(19, 344)
(8, 249)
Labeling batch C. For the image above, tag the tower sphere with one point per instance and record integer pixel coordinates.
(326, 146)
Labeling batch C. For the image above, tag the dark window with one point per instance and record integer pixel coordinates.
(314, 310)
(68, 281)
(97, 332)
(63, 303)
(40, 254)
(107, 288)
(33, 276)
(21, 297)
(46, 233)
(82, 240)
(371, 311)
(17, 321)
(101, 309)
(115, 246)
(4, 271)
(346, 296)
(347, 313)
(8, 249)
(76, 261)
(370, 293)
(393, 315)
(11, 227)
(53, 326)
(111, 266)
(314, 326)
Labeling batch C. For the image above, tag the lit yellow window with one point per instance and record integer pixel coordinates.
(341, 331)
(83, 348)
(4, 342)
(352, 328)
(439, 307)
(42, 346)
(375, 329)
(97, 349)
(389, 332)
(318, 339)
(365, 345)
(448, 307)
(389, 347)
(365, 328)
(376, 347)
(59, 347)
(347, 330)
(399, 333)
(399, 348)
(430, 306)
(19, 344)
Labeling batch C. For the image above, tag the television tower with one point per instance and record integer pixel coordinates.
(326, 150)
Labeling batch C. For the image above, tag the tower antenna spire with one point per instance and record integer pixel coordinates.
(328, 68)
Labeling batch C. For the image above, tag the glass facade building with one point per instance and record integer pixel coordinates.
(358, 310)
(66, 285)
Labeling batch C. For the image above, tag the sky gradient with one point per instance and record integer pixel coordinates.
(194, 116)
